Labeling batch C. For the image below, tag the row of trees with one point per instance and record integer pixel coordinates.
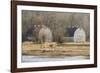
(58, 22)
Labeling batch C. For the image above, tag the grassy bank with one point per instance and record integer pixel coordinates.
(54, 49)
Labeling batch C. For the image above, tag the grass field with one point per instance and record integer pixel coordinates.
(54, 49)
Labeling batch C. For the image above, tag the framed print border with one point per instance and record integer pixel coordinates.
(45, 4)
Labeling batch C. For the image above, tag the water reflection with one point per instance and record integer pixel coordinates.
(46, 58)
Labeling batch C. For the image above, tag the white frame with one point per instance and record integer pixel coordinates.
(55, 63)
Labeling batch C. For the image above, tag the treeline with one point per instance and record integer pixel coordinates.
(58, 22)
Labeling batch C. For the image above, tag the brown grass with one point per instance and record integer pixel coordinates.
(65, 49)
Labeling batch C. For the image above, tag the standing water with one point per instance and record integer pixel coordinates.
(46, 58)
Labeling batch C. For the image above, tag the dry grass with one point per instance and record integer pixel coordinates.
(65, 49)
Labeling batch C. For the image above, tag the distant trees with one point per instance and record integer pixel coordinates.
(58, 22)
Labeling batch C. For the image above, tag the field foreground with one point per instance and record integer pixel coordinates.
(54, 49)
